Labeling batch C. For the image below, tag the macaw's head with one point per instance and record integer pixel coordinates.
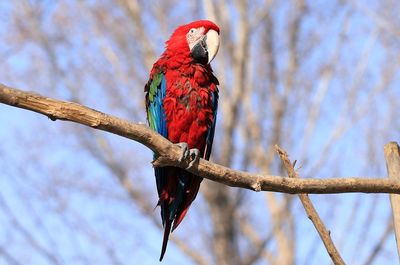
(199, 40)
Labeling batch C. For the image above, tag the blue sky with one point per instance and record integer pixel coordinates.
(75, 209)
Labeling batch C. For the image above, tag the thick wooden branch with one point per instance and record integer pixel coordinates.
(168, 154)
(392, 156)
(311, 212)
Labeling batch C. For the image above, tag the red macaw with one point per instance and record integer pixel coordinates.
(181, 105)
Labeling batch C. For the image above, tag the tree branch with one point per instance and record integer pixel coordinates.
(392, 156)
(311, 212)
(168, 154)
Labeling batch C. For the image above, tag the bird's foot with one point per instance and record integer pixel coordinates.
(185, 151)
(192, 154)
(194, 157)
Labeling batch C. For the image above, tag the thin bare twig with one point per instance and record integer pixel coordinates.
(311, 212)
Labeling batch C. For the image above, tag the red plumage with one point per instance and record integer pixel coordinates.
(189, 106)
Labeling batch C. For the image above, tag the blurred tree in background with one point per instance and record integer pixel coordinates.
(320, 78)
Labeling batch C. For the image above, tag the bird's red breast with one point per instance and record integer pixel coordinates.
(188, 106)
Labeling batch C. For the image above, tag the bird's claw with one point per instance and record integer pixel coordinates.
(192, 154)
(194, 157)
(185, 151)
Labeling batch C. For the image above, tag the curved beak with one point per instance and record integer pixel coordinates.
(212, 41)
(205, 49)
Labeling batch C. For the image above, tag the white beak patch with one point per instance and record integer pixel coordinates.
(212, 44)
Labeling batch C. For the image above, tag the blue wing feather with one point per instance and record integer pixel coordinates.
(155, 110)
(156, 91)
(211, 130)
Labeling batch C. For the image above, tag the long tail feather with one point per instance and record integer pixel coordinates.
(190, 194)
(177, 192)
(167, 230)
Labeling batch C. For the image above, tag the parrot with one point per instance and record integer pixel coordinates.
(181, 99)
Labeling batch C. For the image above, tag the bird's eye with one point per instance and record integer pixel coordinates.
(191, 31)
